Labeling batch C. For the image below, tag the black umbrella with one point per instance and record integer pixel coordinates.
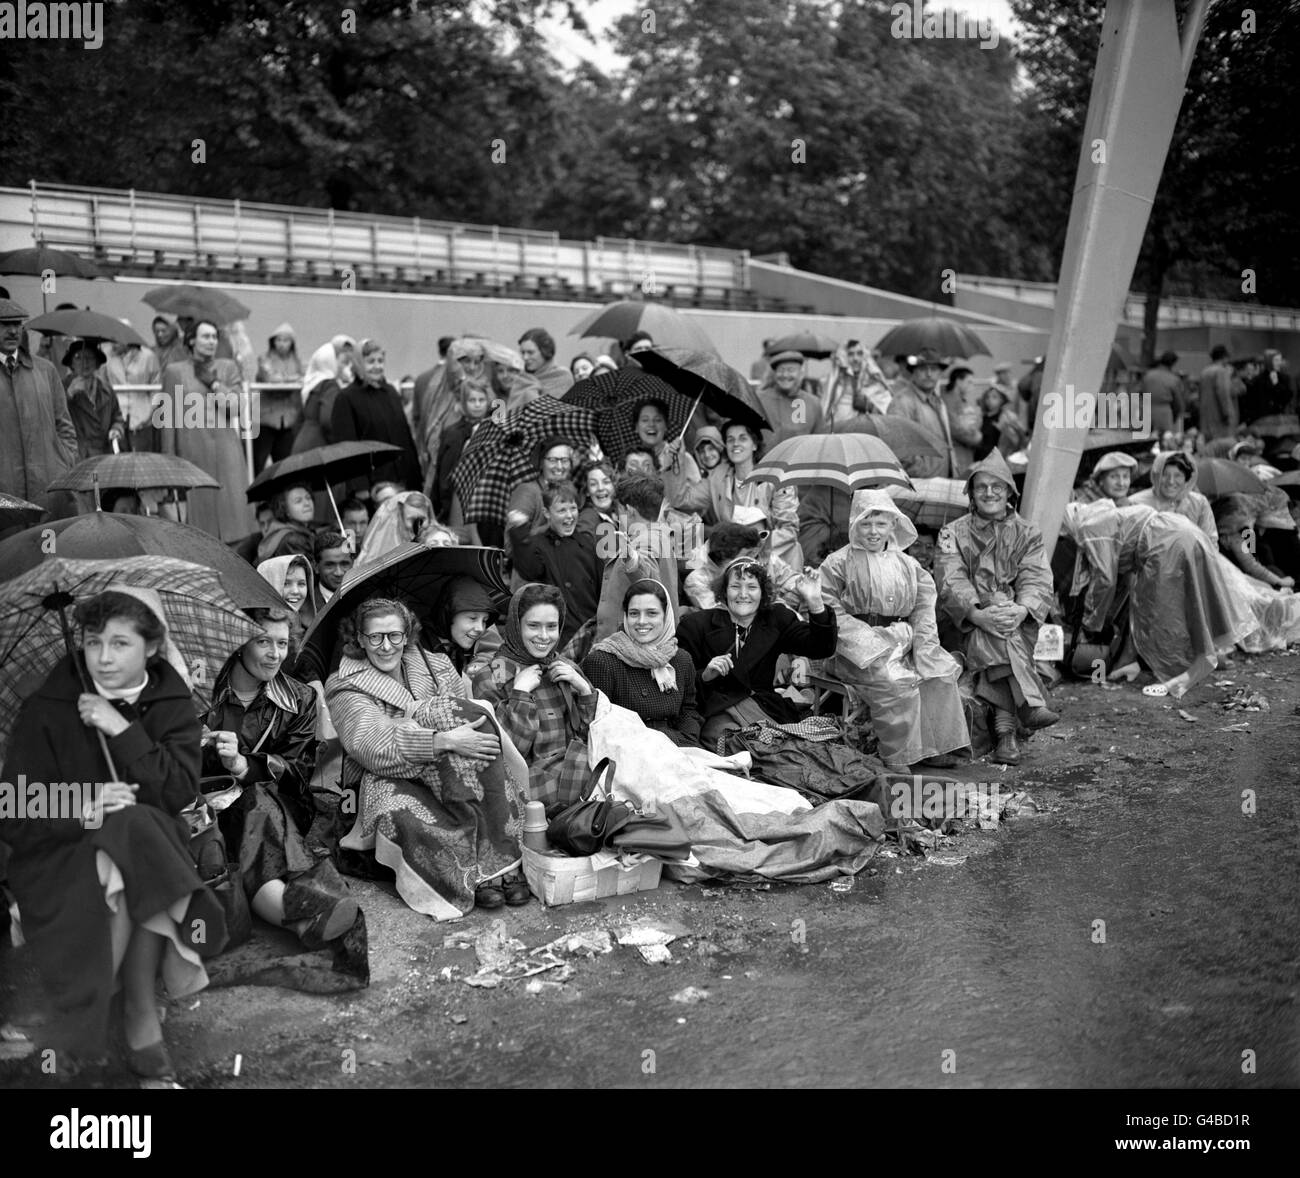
(85, 325)
(197, 302)
(412, 573)
(36, 260)
(102, 535)
(614, 394)
(812, 344)
(701, 376)
(15, 511)
(945, 336)
(319, 467)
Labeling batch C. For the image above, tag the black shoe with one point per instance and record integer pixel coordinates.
(1036, 718)
(517, 892)
(1007, 751)
(489, 896)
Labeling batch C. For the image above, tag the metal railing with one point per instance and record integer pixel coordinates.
(145, 228)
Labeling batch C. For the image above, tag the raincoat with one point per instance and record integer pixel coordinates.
(979, 562)
(779, 505)
(889, 640)
(1189, 502)
(280, 410)
(1182, 608)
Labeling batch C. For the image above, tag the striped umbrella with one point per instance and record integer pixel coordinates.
(847, 462)
(932, 503)
(206, 625)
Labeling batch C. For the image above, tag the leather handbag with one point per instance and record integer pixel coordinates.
(587, 825)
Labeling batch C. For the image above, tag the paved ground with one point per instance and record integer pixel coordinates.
(980, 965)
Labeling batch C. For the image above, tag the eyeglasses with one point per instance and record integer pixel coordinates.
(393, 638)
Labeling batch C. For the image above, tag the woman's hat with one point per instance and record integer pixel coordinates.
(1115, 460)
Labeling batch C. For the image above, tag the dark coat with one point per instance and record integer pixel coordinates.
(450, 447)
(96, 420)
(363, 413)
(52, 870)
(776, 630)
(823, 522)
(569, 563)
(674, 713)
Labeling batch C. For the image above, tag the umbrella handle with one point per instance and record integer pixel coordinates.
(117, 449)
(349, 544)
(86, 686)
(698, 397)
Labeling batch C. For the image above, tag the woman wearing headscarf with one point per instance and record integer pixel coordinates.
(108, 893)
(330, 368)
(642, 668)
(215, 385)
(735, 647)
(543, 702)
(1173, 488)
(279, 411)
(292, 529)
(442, 792)
(889, 640)
(294, 579)
(463, 624)
(400, 519)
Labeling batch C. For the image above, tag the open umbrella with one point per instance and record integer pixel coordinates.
(846, 462)
(103, 535)
(136, 470)
(197, 302)
(666, 326)
(812, 344)
(85, 325)
(932, 503)
(319, 467)
(1221, 476)
(202, 620)
(703, 377)
(614, 394)
(919, 451)
(412, 573)
(945, 336)
(1273, 425)
(499, 456)
(38, 259)
(15, 512)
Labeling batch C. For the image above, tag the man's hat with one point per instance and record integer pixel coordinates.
(788, 357)
(11, 312)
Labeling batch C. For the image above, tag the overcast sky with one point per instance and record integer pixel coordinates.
(569, 46)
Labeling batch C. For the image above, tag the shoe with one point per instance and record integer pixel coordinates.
(1007, 751)
(151, 1063)
(517, 892)
(1036, 718)
(489, 896)
(321, 898)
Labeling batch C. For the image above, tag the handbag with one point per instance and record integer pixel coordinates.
(587, 825)
(208, 846)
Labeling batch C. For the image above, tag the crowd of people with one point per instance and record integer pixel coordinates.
(712, 612)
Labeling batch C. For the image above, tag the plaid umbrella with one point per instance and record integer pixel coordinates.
(919, 452)
(665, 325)
(137, 470)
(500, 454)
(945, 336)
(614, 394)
(197, 302)
(202, 620)
(701, 376)
(105, 535)
(1221, 476)
(932, 503)
(846, 462)
(85, 325)
(15, 511)
(412, 573)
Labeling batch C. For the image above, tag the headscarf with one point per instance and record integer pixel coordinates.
(275, 571)
(150, 599)
(656, 656)
(1157, 500)
(513, 648)
(389, 530)
(462, 595)
(877, 499)
(324, 364)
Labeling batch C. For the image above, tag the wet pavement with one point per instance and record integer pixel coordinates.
(1141, 931)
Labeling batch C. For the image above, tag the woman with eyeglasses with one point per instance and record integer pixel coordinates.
(441, 799)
